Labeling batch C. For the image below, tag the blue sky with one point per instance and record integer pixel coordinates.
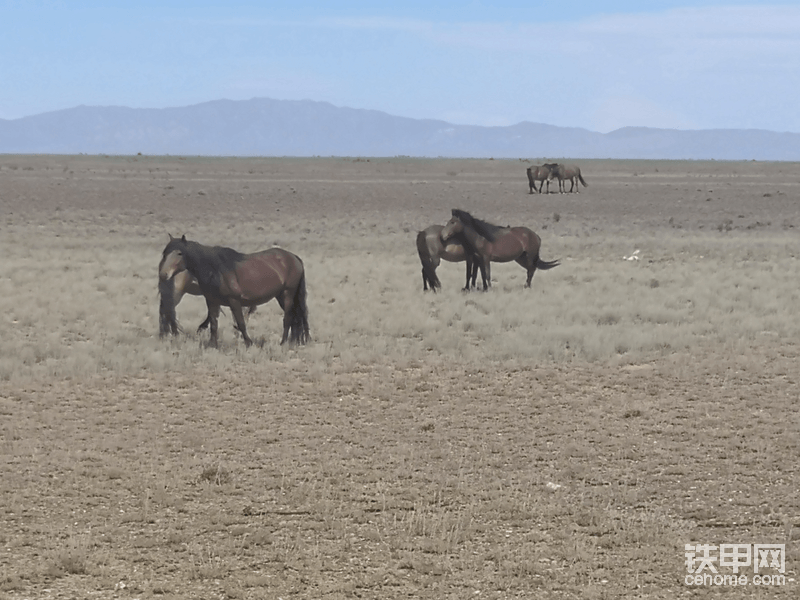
(598, 65)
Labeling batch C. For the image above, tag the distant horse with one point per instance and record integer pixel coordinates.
(171, 292)
(431, 249)
(229, 278)
(540, 174)
(573, 174)
(492, 243)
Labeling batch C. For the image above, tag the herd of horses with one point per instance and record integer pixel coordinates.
(549, 171)
(226, 277)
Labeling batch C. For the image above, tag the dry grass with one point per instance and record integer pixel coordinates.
(566, 440)
(68, 314)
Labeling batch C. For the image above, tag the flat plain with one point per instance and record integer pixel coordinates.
(562, 441)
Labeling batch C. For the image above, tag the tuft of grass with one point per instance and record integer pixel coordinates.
(216, 473)
(71, 558)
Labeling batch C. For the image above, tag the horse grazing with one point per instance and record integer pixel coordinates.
(171, 292)
(432, 249)
(571, 173)
(227, 277)
(541, 174)
(498, 244)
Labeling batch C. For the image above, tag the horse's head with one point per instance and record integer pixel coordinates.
(454, 227)
(172, 260)
(554, 169)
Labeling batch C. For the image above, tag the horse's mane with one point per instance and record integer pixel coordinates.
(206, 263)
(488, 230)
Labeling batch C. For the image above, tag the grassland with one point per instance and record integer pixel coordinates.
(562, 441)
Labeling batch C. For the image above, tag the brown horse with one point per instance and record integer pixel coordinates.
(540, 174)
(492, 243)
(229, 278)
(171, 292)
(572, 173)
(432, 249)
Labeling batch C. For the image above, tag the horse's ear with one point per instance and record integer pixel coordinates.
(183, 237)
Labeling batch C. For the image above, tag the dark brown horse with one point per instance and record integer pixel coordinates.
(540, 174)
(497, 244)
(432, 249)
(171, 292)
(229, 278)
(572, 173)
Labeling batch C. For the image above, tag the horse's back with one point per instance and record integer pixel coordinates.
(513, 242)
(429, 242)
(263, 275)
(282, 260)
(529, 238)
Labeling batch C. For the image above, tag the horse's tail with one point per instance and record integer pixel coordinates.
(428, 270)
(299, 330)
(167, 320)
(544, 265)
(581, 179)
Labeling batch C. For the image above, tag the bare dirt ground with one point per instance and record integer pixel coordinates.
(565, 441)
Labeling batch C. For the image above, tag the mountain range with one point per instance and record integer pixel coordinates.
(265, 127)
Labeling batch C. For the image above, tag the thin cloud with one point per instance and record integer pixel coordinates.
(737, 24)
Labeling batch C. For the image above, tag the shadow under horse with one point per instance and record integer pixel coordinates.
(230, 278)
(492, 243)
(432, 249)
(171, 291)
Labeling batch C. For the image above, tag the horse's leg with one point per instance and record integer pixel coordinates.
(486, 273)
(173, 325)
(238, 316)
(470, 262)
(525, 261)
(213, 317)
(475, 266)
(531, 271)
(287, 302)
(205, 323)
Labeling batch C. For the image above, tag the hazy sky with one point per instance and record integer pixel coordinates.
(594, 64)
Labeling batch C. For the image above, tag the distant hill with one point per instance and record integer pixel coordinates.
(263, 127)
